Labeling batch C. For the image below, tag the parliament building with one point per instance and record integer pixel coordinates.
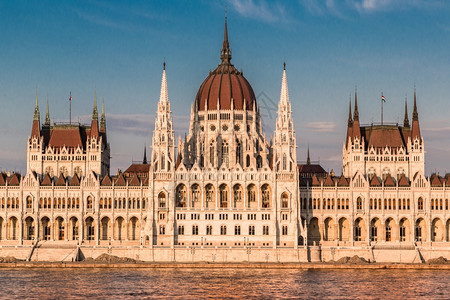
(225, 192)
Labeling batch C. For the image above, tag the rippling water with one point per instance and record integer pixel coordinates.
(223, 283)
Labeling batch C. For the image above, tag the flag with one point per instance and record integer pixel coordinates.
(70, 97)
(383, 98)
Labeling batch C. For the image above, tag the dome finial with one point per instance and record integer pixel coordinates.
(225, 54)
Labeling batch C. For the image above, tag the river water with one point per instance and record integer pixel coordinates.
(223, 283)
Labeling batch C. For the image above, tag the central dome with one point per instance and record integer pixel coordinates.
(225, 86)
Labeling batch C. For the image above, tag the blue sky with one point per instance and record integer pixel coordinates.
(330, 46)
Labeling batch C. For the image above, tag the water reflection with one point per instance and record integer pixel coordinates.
(226, 283)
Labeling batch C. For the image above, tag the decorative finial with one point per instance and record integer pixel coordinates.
(47, 115)
(284, 66)
(164, 64)
(225, 53)
(308, 160)
(36, 107)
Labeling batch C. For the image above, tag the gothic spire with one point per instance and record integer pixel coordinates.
(406, 120)
(36, 128)
(164, 95)
(284, 96)
(356, 113)
(36, 108)
(47, 116)
(94, 111)
(350, 120)
(225, 54)
(103, 119)
(415, 113)
(94, 123)
(308, 160)
(356, 130)
(415, 132)
(144, 161)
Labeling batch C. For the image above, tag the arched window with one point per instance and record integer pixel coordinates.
(211, 153)
(359, 203)
(162, 200)
(238, 152)
(265, 195)
(223, 193)
(259, 162)
(195, 191)
(209, 193)
(248, 161)
(29, 202)
(386, 173)
(284, 162)
(284, 200)
(163, 161)
(89, 202)
(225, 154)
(420, 204)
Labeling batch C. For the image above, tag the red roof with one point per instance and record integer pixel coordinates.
(61, 181)
(47, 181)
(225, 84)
(343, 181)
(389, 181)
(2, 179)
(380, 136)
(375, 181)
(74, 181)
(137, 168)
(14, 179)
(66, 135)
(436, 180)
(106, 181)
(403, 182)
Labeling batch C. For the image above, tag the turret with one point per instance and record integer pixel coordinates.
(94, 123)
(406, 120)
(47, 116)
(36, 129)
(415, 132)
(356, 131)
(349, 122)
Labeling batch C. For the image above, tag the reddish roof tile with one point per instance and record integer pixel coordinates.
(47, 181)
(375, 181)
(2, 179)
(134, 181)
(389, 181)
(61, 181)
(403, 182)
(106, 181)
(328, 181)
(315, 181)
(120, 181)
(14, 179)
(137, 168)
(435, 180)
(74, 181)
(343, 181)
(66, 135)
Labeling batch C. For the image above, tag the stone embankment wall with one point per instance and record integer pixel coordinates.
(227, 255)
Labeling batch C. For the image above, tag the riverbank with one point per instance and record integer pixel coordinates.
(199, 265)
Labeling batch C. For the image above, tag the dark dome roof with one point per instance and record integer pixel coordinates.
(224, 85)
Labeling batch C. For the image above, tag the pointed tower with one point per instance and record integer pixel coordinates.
(415, 132)
(163, 135)
(47, 116)
(225, 53)
(406, 120)
(94, 123)
(144, 161)
(103, 118)
(36, 129)
(349, 123)
(356, 129)
(35, 142)
(308, 159)
(285, 141)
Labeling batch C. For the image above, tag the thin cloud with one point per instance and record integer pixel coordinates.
(322, 126)
(260, 10)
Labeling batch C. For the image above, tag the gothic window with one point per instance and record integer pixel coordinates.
(251, 193)
(225, 154)
(181, 196)
(29, 202)
(238, 152)
(195, 190)
(78, 171)
(420, 204)
(211, 153)
(400, 172)
(209, 192)
(284, 162)
(223, 192)
(237, 193)
(162, 229)
(49, 171)
(195, 230)
(371, 173)
(248, 161)
(162, 200)
(265, 195)
(265, 230)
(359, 203)
(163, 161)
(386, 173)
(284, 230)
(89, 202)
(284, 200)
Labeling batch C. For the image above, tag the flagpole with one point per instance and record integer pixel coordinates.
(70, 109)
(381, 108)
